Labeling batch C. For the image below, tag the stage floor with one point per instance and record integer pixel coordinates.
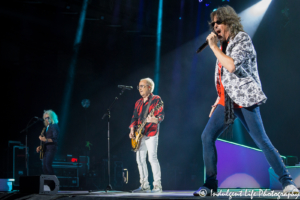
(119, 195)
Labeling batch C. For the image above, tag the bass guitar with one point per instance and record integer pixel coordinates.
(136, 142)
(42, 148)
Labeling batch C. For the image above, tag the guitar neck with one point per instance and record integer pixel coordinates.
(42, 134)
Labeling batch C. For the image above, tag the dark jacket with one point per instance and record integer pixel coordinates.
(52, 133)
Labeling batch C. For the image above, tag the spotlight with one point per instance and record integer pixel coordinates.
(85, 103)
(179, 17)
(215, 9)
(200, 1)
(207, 4)
(252, 16)
(260, 8)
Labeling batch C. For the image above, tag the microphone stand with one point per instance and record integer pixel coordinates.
(26, 148)
(107, 113)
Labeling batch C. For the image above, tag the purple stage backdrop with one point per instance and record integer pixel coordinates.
(240, 166)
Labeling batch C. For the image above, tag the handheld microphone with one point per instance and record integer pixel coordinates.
(124, 87)
(203, 46)
(39, 119)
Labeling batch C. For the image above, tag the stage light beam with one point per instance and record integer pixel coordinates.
(72, 68)
(158, 44)
(252, 16)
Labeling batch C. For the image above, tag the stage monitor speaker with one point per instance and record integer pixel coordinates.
(44, 184)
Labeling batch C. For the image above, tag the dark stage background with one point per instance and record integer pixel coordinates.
(118, 47)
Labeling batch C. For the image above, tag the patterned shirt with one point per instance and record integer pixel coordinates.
(151, 129)
(221, 90)
(220, 87)
(243, 85)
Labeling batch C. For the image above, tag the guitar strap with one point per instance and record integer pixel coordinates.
(147, 109)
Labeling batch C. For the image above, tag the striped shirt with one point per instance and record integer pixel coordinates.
(150, 129)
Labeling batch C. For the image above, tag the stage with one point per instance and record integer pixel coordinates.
(81, 72)
(172, 194)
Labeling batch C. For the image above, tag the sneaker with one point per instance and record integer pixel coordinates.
(290, 189)
(157, 189)
(142, 190)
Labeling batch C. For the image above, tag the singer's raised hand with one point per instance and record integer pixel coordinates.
(225, 60)
(212, 39)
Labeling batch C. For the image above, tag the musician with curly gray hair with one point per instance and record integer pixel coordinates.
(239, 96)
(49, 140)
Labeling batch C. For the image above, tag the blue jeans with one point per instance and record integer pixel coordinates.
(251, 119)
(47, 162)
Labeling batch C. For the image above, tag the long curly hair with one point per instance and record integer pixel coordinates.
(52, 116)
(228, 16)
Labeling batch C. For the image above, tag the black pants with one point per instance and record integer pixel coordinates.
(47, 162)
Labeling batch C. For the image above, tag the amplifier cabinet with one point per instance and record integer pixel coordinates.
(19, 163)
(67, 173)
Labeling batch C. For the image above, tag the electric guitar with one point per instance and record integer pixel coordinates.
(136, 142)
(42, 148)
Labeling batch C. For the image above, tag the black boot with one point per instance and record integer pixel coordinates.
(207, 189)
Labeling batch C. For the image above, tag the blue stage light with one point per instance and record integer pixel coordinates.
(72, 71)
(207, 4)
(158, 45)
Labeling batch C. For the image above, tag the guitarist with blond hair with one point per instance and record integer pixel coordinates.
(49, 141)
(149, 141)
